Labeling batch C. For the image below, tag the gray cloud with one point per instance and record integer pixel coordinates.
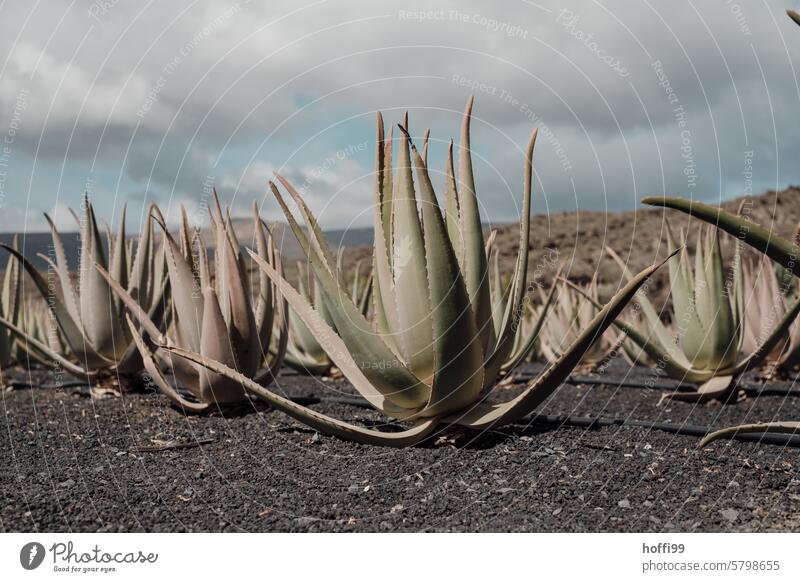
(153, 100)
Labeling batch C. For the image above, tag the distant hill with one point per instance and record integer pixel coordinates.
(575, 238)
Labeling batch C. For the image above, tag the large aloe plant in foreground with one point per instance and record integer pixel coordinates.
(708, 319)
(431, 354)
(89, 317)
(213, 315)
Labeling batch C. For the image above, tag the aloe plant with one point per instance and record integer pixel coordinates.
(361, 289)
(89, 316)
(304, 353)
(766, 300)
(781, 250)
(708, 319)
(631, 351)
(529, 328)
(571, 312)
(10, 311)
(431, 354)
(214, 315)
(37, 322)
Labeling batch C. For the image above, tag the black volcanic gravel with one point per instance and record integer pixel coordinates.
(74, 462)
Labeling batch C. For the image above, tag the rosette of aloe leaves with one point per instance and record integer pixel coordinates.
(777, 248)
(431, 354)
(90, 319)
(708, 317)
(214, 315)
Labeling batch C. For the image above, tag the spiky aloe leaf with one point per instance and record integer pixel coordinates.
(216, 344)
(779, 249)
(474, 264)
(316, 420)
(315, 233)
(187, 296)
(42, 348)
(385, 300)
(241, 322)
(458, 375)
(413, 327)
(142, 277)
(389, 375)
(101, 324)
(498, 292)
(279, 320)
(715, 387)
(425, 138)
(393, 399)
(62, 269)
(788, 427)
(157, 376)
(505, 339)
(452, 211)
(533, 334)
(484, 416)
(119, 257)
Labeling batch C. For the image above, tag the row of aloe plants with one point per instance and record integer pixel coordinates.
(424, 338)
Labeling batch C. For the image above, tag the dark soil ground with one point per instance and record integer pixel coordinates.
(73, 461)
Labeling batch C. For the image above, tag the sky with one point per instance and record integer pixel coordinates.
(161, 101)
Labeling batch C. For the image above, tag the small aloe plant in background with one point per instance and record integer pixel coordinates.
(573, 309)
(708, 320)
(38, 322)
(304, 353)
(768, 296)
(783, 251)
(89, 317)
(527, 339)
(432, 354)
(10, 298)
(213, 315)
